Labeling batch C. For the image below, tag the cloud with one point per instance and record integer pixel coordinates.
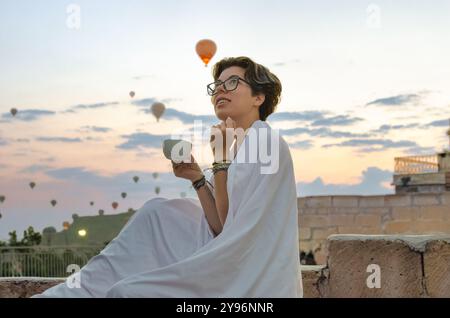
(144, 101)
(287, 62)
(58, 139)
(28, 114)
(22, 140)
(340, 120)
(421, 150)
(321, 132)
(95, 129)
(134, 141)
(438, 123)
(74, 108)
(35, 168)
(382, 143)
(395, 100)
(370, 184)
(309, 115)
(184, 117)
(139, 77)
(388, 128)
(302, 144)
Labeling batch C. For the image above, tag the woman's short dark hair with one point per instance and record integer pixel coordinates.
(261, 80)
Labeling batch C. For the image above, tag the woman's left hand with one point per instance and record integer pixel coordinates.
(226, 129)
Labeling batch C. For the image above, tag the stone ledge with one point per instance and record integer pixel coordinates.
(24, 287)
(410, 266)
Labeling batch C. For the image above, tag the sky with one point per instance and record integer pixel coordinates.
(363, 82)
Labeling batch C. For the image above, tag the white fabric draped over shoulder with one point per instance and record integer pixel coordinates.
(167, 248)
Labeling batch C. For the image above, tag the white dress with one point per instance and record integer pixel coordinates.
(167, 248)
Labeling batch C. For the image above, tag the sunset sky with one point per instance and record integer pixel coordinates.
(363, 82)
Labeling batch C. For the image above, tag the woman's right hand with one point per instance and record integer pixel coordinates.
(190, 171)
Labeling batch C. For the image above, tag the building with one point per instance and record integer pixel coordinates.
(423, 174)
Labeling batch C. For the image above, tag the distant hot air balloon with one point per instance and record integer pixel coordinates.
(53, 202)
(136, 178)
(132, 94)
(13, 111)
(2, 198)
(32, 185)
(66, 225)
(157, 190)
(115, 205)
(206, 50)
(124, 195)
(91, 203)
(155, 175)
(0, 215)
(101, 212)
(158, 109)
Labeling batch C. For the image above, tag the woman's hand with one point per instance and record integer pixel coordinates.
(190, 171)
(221, 133)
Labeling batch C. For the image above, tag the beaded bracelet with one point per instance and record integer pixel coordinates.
(199, 183)
(220, 166)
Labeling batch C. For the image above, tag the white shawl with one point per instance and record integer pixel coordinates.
(255, 255)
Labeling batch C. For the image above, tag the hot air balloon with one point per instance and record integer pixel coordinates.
(32, 185)
(101, 212)
(124, 195)
(157, 190)
(13, 111)
(0, 215)
(66, 225)
(115, 205)
(132, 94)
(155, 175)
(2, 198)
(206, 50)
(136, 179)
(158, 109)
(91, 203)
(53, 202)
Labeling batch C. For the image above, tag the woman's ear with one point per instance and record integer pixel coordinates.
(260, 98)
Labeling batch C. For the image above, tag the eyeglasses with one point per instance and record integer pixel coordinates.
(230, 85)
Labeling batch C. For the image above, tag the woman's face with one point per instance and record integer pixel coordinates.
(236, 103)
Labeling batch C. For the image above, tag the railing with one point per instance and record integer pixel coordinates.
(37, 261)
(416, 164)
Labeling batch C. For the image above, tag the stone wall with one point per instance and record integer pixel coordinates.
(321, 216)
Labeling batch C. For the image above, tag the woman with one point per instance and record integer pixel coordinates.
(240, 239)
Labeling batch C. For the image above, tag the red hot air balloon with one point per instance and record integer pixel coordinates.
(115, 205)
(206, 50)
